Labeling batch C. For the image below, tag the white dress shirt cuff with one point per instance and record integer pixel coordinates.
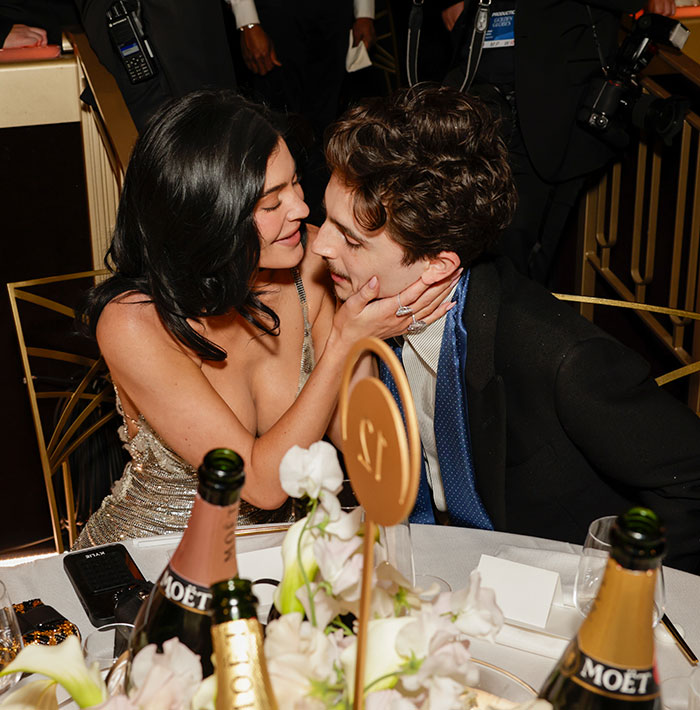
(245, 13)
(364, 8)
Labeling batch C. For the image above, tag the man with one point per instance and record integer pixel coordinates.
(34, 23)
(532, 419)
(536, 67)
(296, 51)
(188, 39)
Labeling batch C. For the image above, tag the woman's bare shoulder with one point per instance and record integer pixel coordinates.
(129, 321)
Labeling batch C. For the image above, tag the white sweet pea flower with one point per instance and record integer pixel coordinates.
(339, 564)
(65, 664)
(346, 526)
(308, 471)
(164, 680)
(450, 661)
(298, 654)
(326, 607)
(475, 609)
(427, 633)
(118, 702)
(388, 700)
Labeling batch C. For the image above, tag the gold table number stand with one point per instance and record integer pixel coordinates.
(383, 464)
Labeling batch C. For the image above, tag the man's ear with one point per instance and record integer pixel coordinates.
(440, 267)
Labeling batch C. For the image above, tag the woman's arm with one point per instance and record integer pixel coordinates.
(165, 383)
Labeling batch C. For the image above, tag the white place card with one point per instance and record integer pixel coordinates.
(525, 594)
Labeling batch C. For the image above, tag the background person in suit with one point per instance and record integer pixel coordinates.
(540, 80)
(532, 419)
(34, 23)
(296, 52)
(188, 39)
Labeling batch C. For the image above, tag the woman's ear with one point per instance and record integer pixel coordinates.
(440, 267)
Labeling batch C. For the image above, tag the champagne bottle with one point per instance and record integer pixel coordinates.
(180, 603)
(610, 664)
(242, 681)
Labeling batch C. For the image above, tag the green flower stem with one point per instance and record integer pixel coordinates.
(347, 631)
(304, 576)
(380, 679)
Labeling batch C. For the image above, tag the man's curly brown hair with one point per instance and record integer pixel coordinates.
(428, 165)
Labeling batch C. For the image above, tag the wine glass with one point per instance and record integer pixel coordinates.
(396, 540)
(591, 568)
(10, 638)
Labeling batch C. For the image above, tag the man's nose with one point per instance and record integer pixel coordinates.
(322, 245)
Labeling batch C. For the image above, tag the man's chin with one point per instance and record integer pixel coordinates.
(341, 293)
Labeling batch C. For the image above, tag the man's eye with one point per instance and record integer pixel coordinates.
(352, 245)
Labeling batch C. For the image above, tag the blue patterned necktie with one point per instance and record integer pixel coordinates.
(452, 422)
(451, 427)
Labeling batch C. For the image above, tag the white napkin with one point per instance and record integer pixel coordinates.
(357, 57)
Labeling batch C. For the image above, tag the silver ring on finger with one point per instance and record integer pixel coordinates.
(418, 326)
(403, 310)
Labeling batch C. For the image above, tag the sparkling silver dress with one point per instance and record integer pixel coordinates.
(156, 491)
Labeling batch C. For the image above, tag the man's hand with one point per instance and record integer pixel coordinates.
(258, 51)
(25, 36)
(661, 7)
(450, 15)
(363, 31)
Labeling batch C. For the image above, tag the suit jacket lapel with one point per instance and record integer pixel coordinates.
(485, 390)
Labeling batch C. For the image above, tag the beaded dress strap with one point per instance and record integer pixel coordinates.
(120, 409)
(308, 357)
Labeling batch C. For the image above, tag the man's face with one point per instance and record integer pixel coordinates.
(354, 255)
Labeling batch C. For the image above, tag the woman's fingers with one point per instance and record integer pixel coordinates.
(424, 299)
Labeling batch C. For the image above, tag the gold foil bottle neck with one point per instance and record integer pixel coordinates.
(241, 673)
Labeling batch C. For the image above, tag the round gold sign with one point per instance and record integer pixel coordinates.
(384, 467)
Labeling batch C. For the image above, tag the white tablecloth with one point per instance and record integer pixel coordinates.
(448, 553)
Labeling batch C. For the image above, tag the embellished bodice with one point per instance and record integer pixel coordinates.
(155, 493)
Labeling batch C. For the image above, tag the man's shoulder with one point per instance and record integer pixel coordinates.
(526, 327)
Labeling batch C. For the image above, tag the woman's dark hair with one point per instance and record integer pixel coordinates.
(185, 234)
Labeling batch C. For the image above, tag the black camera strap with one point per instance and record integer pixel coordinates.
(594, 28)
(476, 41)
(415, 21)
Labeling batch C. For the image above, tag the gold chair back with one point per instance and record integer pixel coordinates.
(66, 388)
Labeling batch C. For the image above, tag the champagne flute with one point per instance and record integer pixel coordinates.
(591, 567)
(10, 638)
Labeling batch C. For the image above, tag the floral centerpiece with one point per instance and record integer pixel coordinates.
(417, 658)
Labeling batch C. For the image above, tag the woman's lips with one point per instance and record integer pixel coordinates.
(292, 240)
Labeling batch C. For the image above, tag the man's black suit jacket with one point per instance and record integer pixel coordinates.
(566, 425)
(555, 58)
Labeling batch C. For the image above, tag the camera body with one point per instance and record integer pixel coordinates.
(616, 100)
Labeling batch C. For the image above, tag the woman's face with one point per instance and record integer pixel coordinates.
(280, 211)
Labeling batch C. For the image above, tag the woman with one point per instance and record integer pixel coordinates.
(217, 329)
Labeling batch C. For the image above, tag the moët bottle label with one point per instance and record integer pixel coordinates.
(184, 593)
(609, 680)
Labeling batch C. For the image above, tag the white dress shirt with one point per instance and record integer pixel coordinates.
(420, 355)
(246, 14)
